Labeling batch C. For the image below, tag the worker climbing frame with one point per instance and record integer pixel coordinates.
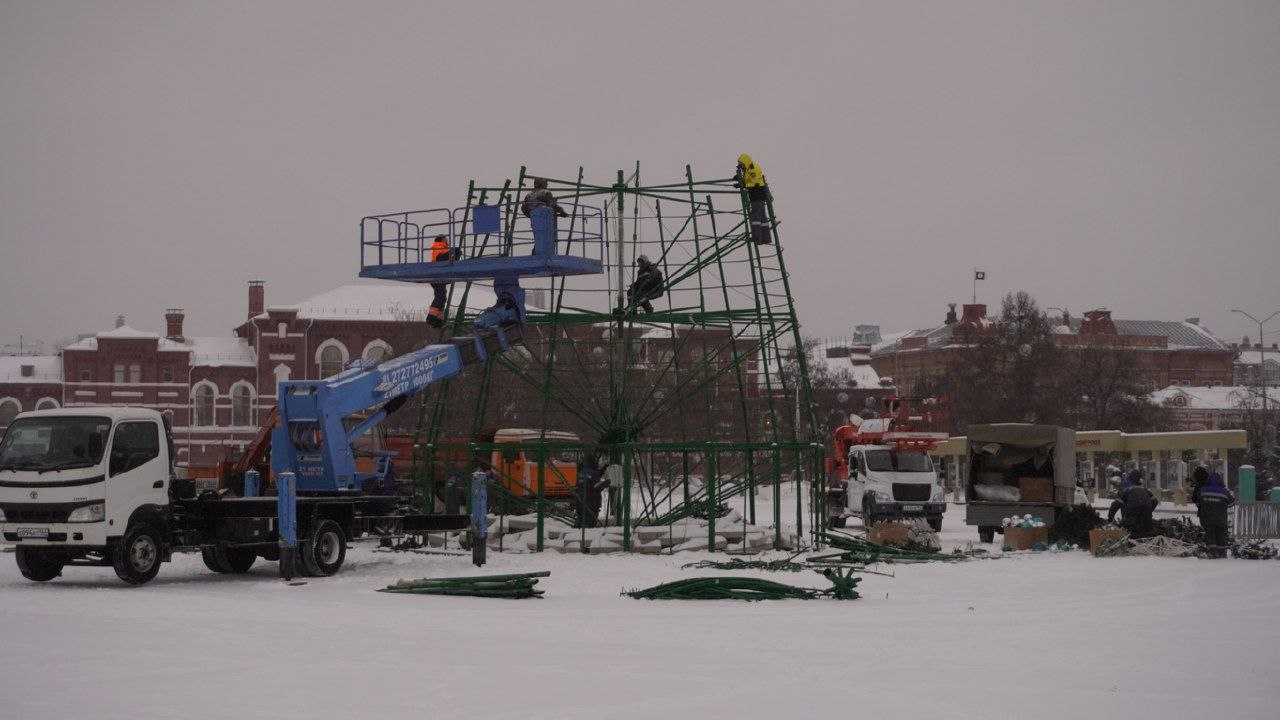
(688, 385)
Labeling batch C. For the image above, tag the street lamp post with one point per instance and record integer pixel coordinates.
(1262, 355)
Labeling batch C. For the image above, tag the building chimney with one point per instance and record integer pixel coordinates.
(257, 298)
(119, 321)
(1193, 321)
(974, 313)
(1098, 322)
(1066, 317)
(173, 324)
(951, 314)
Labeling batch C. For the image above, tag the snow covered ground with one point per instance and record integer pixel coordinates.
(1028, 636)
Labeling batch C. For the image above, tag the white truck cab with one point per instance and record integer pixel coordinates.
(74, 483)
(889, 483)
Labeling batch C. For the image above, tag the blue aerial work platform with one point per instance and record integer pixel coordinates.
(321, 420)
(491, 242)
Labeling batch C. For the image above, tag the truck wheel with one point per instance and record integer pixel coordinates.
(36, 565)
(936, 524)
(324, 551)
(137, 557)
(986, 533)
(236, 560)
(212, 561)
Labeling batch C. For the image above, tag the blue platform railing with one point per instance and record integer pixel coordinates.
(406, 237)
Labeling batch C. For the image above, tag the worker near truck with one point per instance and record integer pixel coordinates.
(647, 286)
(1212, 498)
(1135, 503)
(590, 490)
(541, 208)
(750, 177)
(440, 252)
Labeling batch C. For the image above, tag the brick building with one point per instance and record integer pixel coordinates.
(217, 390)
(1168, 352)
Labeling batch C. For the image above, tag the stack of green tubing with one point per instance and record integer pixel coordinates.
(747, 588)
(515, 586)
(787, 565)
(863, 552)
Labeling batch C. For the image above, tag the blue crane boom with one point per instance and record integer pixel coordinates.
(313, 413)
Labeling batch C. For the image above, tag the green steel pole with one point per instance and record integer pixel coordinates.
(626, 497)
(777, 497)
(542, 508)
(711, 498)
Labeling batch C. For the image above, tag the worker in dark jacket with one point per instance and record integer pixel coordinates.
(1135, 503)
(750, 177)
(1212, 500)
(589, 490)
(647, 286)
(439, 253)
(541, 208)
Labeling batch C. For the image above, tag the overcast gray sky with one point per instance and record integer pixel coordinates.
(1120, 154)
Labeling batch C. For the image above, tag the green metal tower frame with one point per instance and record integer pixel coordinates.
(729, 314)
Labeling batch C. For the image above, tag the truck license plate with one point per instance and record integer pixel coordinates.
(912, 508)
(33, 532)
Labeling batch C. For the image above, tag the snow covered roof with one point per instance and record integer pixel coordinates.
(853, 367)
(205, 351)
(1219, 397)
(389, 302)
(124, 332)
(43, 367)
(221, 351)
(1254, 356)
(1181, 334)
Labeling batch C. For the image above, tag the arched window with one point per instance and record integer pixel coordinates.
(331, 357)
(377, 351)
(9, 408)
(203, 401)
(47, 403)
(241, 404)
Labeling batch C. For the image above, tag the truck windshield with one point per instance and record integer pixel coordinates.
(54, 443)
(900, 461)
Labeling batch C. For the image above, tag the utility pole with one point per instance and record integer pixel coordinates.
(1262, 356)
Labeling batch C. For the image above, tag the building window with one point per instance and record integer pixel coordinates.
(282, 329)
(47, 404)
(28, 370)
(86, 374)
(166, 373)
(9, 408)
(241, 404)
(204, 397)
(331, 358)
(135, 374)
(377, 351)
(117, 373)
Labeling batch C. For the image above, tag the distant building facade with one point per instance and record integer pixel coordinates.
(1167, 352)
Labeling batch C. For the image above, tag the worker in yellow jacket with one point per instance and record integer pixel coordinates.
(750, 177)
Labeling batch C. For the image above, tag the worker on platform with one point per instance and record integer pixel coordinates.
(541, 208)
(440, 252)
(1135, 503)
(750, 177)
(647, 286)
(1212, 498)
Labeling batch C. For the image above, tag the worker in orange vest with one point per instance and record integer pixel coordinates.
(440, 252)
